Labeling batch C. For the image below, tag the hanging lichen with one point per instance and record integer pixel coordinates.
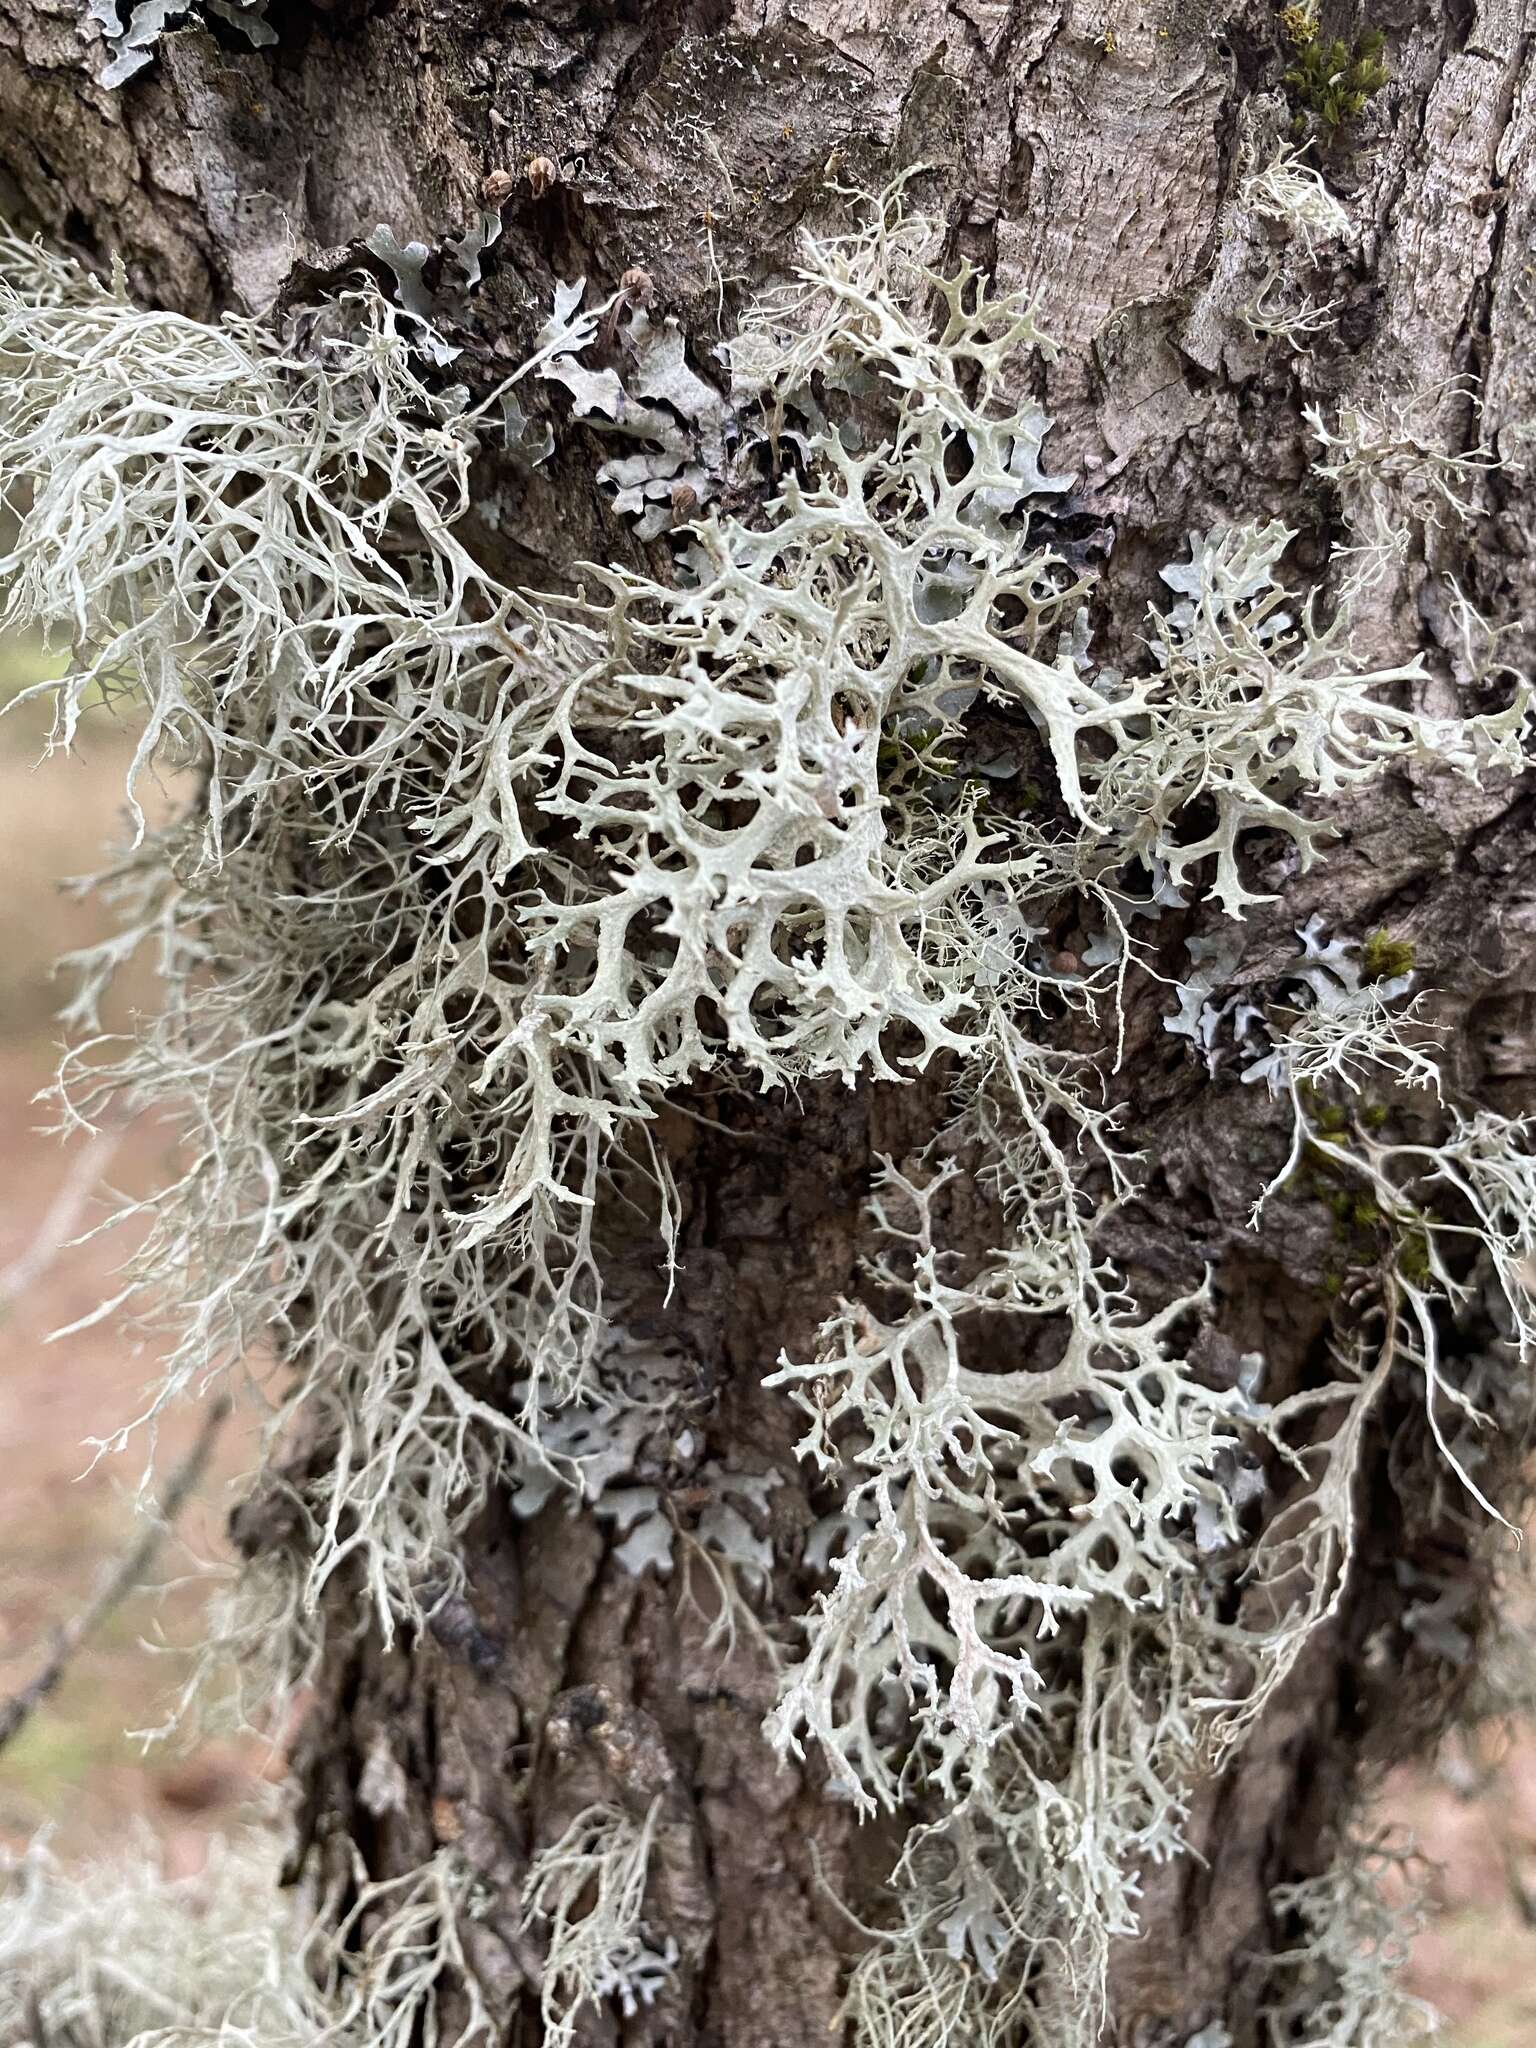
(482, 879)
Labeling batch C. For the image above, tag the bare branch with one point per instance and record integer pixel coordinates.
(129, 1573)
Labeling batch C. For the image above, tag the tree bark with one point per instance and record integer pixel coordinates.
(1096, 157)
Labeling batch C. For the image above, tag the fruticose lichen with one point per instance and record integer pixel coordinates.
(1280, 233)
(129, 1956)
(1292, 193)
(1338, 1985)
(482, 878)
(588, 1890)
(1393, 475)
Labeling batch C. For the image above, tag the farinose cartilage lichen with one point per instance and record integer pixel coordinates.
(482, 879)
(1338, 1985)
(131, 1956)
(587, 1892)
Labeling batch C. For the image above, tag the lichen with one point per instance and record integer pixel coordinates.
(1338, 1980)
(482, 878)
(258, 548)
(1257, 706)
(1395, 476)
(131, 43)
(1292, 193)
(128, 1955)
(586, 1894)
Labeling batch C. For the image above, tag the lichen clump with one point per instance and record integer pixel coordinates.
(483, 879)
(129, 1955)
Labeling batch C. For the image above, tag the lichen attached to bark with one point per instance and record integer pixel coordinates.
(484, 878)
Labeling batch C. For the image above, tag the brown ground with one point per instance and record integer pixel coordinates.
(64, 1521)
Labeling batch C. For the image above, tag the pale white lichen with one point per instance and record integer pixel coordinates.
(131, 43)
(1293, 193)
(1259, 706)
(481, 880)
(258, 548)
(1395, 474)
(258, 1649)
(1474, 1190)
(585, 1893)
(129, 1956)
(1316, 1020)
(683, 427)
(1346, 1936)
(1278, 310)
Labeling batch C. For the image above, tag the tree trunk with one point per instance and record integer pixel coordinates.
(1100, 160)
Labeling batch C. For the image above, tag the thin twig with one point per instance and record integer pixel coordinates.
(62, 1220)
(15, 1712)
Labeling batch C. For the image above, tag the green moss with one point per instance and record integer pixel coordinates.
(1298, 24)
(1384, 958)
(1363, 1232)
(908, 757)
(1330, 83)
(1413, 1258)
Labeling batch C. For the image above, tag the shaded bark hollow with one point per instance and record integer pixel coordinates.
(1094, 154)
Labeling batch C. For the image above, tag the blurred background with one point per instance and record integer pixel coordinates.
(68, 1519)
(66, 1523)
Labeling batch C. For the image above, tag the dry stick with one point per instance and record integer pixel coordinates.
(58, 1227)
(15, 1712)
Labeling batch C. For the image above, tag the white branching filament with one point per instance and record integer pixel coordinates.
(587, 1890)
(481, 879)
(1293, 194)
(1338, 1983)
(129, 1954)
